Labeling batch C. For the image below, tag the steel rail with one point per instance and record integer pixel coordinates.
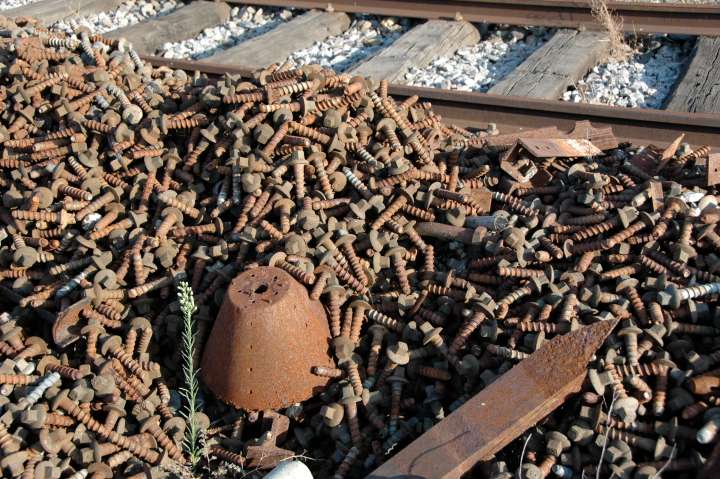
(638, 125)
(637, 17)
(512, 114)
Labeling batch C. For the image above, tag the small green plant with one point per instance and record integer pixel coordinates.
(191, 388)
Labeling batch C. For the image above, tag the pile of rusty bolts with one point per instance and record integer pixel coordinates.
(442, 257)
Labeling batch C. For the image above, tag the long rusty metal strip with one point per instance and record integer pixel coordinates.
(512, 114)
(637, 17)
(638, 125)
(501, 412)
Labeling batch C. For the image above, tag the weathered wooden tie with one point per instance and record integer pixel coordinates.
(277, 44)
(561, 62)
(49, 11)
(699, 89)
(185, 22)
(417, 48)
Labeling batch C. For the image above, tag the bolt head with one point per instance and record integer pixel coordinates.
(332, 118)
(34, 418)
(670, 297)
(344, 348)
(625, 283)
(100, 470)
(557, 442)
(597, 383)
(132, 115)
(332, 414)
(345, 238)
(349, 396)
(103, 385)
(677, 204)
(263, 132)
(308, 220)
(106, 279)
(626, 409)
(277, 257)
(386, 123)
(683, 253)
(645, 472)
(102, 259)
(399, 353)
(627, 215)
(110, 343)
(336, 289)
(360, 304)
(153, 422)
(45, 197)
(59, 398)
(25, 257)
(531, 471)
(378, 330)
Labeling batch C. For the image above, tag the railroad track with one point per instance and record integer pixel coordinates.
(637, 17)
(512, 114)
(526, 98)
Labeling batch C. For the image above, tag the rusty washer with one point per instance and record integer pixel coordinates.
(267, 336)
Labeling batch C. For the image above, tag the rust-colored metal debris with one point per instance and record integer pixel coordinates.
(520, 161)
(264, 453)
(501, 412)
(267, 336)
(65, 329)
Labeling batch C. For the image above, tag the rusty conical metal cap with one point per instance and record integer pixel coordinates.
(267, 336)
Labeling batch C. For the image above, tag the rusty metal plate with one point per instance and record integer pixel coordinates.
(66, 328)
(669, 152)
(541, 178)
(713, 169)
(267, 336)
(602, 137)
(518, 166)
(264, 453)
(508, 139)
(522, 169)
(647, 159)
(559, 148)
(656, 195)
(502, 411)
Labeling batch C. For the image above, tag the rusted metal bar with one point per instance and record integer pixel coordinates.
(637, 17)
(512, 114)
(501, 412)
(637, 125)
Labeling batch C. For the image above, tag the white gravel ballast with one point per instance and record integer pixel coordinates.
(129, 13)
(366, 36)
(244, 23)
(8, 4)
(644, 80)
(480, 66)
